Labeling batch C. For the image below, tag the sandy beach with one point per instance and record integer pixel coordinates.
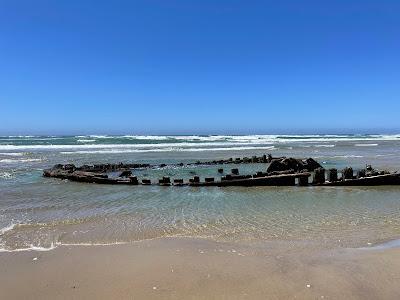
(186, 268)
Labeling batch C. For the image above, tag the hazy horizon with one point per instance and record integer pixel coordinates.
(233, 133)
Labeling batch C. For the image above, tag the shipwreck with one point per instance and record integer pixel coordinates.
(282, 171)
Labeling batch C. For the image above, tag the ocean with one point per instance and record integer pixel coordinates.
(39, 213)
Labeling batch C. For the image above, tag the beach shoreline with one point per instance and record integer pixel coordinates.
(182, 268)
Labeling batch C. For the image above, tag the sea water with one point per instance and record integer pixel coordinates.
(42, 213)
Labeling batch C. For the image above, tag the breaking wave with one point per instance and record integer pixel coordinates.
(85, 141)
(325, 146)
(12, 153)
(366, 145)
(348, 156)
(12, 148)
(22, 160)
(168, 149)
(8, 228)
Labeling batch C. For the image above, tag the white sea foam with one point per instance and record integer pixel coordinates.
(279, 138)
(311, 137)
(12, 161)
(101, 136)
(205, 140)
(125, 146)
(95, 244)
(58, 244)
(8, 228)
(12, 153)
(208, 138)
(32, 248)
(147, 137)
(348, 156)
(85, 141)
(83, 244)
(31, 138)
(387, 245)
(17, 136)
(366, 145)
(168, 149)
(94, 136)
(196, 141)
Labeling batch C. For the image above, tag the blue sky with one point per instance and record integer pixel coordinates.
(199, 66)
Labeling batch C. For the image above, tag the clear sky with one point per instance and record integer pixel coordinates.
(199, 66)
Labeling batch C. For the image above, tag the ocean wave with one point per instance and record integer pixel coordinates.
(85, 141)
(228, 138)
(366, 145)
(196, 138)
(170, 149)
(14, 226)
(31, 247)
(8, 228)
(222, 138)
(263, 138)
(343, 136)
(18, 136)
(12, 161)
(348, 156)
(101, 136)
(132, 146)
(147, 137)
(324, 146)
(31, 138)
(12, 153)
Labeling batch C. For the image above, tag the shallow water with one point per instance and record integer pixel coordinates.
(42, 212)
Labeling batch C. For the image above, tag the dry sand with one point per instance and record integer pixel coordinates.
(184, 268)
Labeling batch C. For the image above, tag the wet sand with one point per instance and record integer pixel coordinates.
(185, 268)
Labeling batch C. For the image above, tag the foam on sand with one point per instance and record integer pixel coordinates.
(387, 245)
(8, 228)
(31, 248)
